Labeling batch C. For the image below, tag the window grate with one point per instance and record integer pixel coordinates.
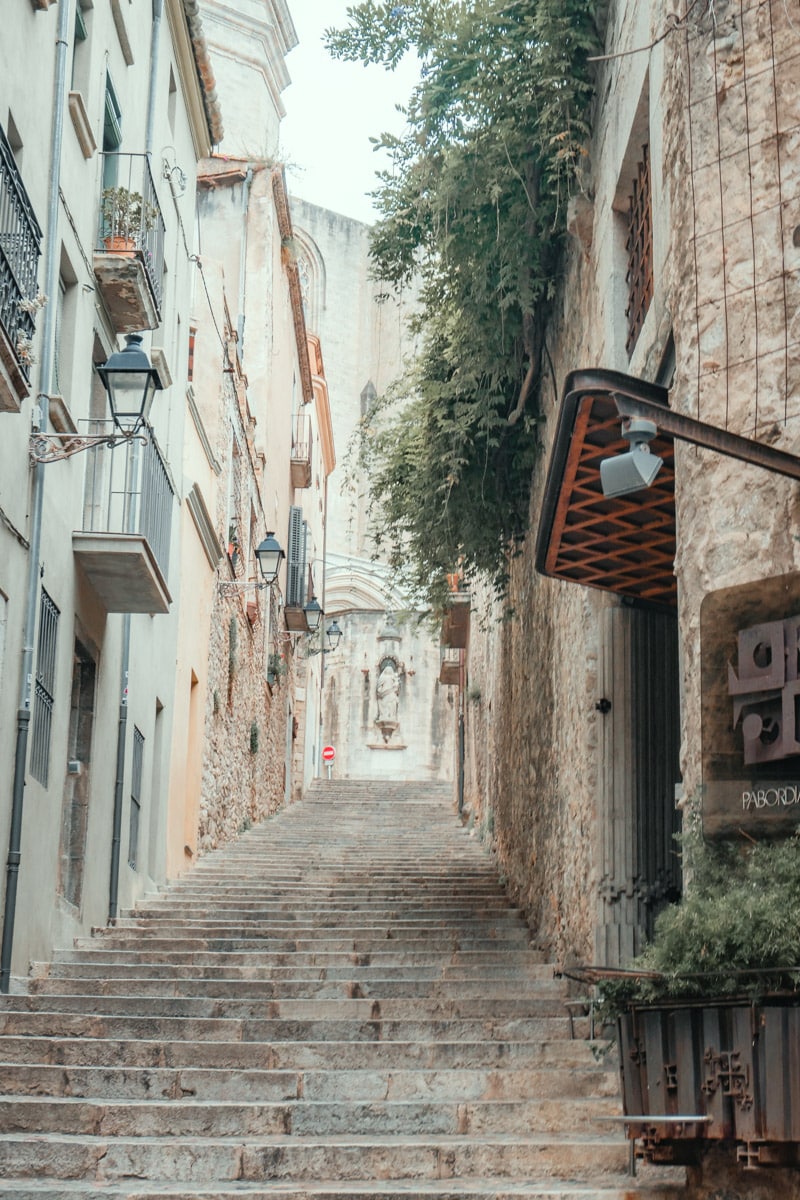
(136, 798)
(44, 691)
(639, 246)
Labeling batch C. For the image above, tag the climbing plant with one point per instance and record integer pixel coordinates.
(472, 216)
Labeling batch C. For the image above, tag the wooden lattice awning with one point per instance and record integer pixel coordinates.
(624, 544)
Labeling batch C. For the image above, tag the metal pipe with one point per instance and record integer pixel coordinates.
(155, 43)
(122, 729)
(66, 22)
(248, 180)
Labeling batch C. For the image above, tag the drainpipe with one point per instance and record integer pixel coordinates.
(122, 729)
(461, 738)
(155, 42)
(248, 180)
(66, 20)
(122, 725)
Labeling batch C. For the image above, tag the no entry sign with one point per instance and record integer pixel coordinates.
(328, 754)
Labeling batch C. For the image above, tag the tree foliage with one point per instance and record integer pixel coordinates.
(735, 932)
(473, 212)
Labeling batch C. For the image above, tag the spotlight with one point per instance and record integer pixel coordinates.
(636, 469)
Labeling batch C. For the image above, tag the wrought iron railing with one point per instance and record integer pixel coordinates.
(20, 242)
(130, 215)
(128, 490)
(302, 438)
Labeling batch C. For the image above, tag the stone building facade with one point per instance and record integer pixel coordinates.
(99, 162)
(571, 696)
(388, 659)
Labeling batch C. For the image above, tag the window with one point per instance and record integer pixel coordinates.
(136, 798)
(80, 54)
(639, 247)
(296, 590)
(43, 699)
(66, 311)
(75, 802)
(234, 532)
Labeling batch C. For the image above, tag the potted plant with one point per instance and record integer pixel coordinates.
(126, 215)
(708, 1017)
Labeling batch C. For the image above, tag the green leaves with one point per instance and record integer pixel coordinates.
(473, 210)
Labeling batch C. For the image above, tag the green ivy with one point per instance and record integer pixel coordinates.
(473, 214)
(735, 932)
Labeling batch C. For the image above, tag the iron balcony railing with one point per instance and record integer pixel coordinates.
(20, 242)
(302, 438)
(128, 490)
(130, 215)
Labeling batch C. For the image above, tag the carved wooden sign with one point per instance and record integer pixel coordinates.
(750, 647)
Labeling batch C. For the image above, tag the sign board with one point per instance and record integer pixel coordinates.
(328, 754)
(750, 650)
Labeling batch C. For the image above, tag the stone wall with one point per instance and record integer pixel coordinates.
(716, 104)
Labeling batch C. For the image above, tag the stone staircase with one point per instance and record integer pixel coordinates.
(342, 1005)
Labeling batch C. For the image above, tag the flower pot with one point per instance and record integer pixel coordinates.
(119, 245)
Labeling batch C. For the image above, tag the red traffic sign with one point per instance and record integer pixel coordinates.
(328, 754)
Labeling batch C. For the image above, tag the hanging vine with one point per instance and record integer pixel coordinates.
(473, 214)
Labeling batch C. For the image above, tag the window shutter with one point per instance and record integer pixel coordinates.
(296, 564)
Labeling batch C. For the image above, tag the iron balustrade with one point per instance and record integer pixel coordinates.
(302, 438)
(129, 210)
(128, 490)
(20, 246)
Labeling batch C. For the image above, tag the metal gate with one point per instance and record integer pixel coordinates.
(639, 747)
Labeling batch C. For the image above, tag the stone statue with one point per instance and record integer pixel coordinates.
(388, 692)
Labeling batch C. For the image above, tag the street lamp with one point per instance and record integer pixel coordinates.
(269, 555)
(314, 614)
(131, 381)
(333, 635)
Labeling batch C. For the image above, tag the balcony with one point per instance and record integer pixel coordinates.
(449, 666)
(129, 255)
(123, 547)
(20, 242)
(302, 446)
(455, 625)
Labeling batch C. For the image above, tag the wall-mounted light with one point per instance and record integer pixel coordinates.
(638, 467)
(131, 382)
(269, 555)
(333, 635)
(314, 614)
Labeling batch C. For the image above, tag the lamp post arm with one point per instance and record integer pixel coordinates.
(710, 437)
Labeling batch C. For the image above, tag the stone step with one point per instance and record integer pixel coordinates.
(396, 996)
(386, 953)
(277, 1158)
(97, 1050)
(235, 1084)
(185, 1117)
(290, 916)
(493, 949)
(608, 1188)
(302, 1003)
(359, 966)
(55, 1023)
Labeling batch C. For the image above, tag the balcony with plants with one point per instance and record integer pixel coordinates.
(20, 243)
(129, 254)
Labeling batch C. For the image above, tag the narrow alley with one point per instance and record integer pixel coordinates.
(342, 1003)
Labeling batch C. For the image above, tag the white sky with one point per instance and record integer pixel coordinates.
(333, 108)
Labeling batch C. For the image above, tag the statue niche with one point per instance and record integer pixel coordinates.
(387, 692)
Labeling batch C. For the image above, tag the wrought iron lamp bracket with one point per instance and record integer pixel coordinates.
(55, 447)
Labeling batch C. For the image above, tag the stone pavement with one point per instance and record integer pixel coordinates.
(341, 1005)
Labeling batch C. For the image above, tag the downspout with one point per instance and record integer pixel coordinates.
(462, 683)
(248, 180)
(155, 43)
(122, 724)
(66, 20)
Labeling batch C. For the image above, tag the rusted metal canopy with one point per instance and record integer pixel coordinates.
(623, 544)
